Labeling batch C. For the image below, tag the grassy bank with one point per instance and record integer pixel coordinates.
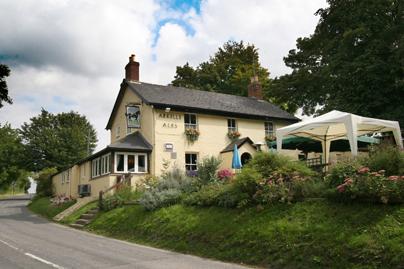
(42, 206)
(76, 215)
(311, 234)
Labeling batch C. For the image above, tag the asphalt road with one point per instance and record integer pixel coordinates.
(28, 241)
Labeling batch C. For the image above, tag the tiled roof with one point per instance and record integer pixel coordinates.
(134, 141)
(238, 142)
(184, 99)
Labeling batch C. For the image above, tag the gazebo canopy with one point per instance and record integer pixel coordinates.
(338, 125)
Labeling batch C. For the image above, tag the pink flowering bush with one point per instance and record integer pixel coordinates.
(225, 174)
(371, 186)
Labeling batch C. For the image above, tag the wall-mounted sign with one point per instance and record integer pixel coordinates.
(168, 147)
(133, 116)
(173, 116)
(169, 125)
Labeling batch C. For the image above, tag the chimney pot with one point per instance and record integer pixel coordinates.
(255, 88)
(132, 69)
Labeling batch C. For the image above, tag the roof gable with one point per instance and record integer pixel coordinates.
(239, 142)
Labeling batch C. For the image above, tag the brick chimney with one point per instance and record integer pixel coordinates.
(132, 69)
(255, 88)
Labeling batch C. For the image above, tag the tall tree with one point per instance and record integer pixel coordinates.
(228, 71)
(354, 61)
(57, 140)
(11, 154)
(4, 97)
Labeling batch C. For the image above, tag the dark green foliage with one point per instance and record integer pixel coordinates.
(340, 171)
(11, 156)
(367, 186)
(266, 163)
(308, 234)
(228, 71)
(57, 140)
(44, 185)
(386, 157)
(207, 169)
(4, 97)
(123, 195)
(216, 194)
(352, 62)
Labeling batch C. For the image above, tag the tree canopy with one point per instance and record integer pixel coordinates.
(4, 97)
(354, 62)
(57, 140)
(228, 71)
(11, 156)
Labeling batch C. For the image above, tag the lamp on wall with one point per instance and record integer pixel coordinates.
(168, 109)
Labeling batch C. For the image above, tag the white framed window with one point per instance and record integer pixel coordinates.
(100, 166)
(190, 121)
(127, 162)
(269, 128)
(231, 125)
(191, 161)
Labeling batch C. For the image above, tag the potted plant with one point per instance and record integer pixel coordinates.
(192, 134)
(233, 135)
(270, 138)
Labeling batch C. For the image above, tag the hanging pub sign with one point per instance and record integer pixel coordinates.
(133, 116)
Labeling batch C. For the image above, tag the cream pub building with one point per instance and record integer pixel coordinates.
(153, 126)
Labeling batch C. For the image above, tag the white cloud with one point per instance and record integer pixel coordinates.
(71, 54)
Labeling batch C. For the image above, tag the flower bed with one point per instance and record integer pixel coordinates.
(365, 185)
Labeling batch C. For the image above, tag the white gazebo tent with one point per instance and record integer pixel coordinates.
(337, 125)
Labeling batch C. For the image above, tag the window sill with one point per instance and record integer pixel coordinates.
(97, 177)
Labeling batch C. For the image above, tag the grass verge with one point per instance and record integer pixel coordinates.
(43, 206)
(309, 234)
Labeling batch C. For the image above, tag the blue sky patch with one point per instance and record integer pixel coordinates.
(181, 7)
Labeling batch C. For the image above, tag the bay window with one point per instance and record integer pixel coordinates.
(131, 162)
(100, 166)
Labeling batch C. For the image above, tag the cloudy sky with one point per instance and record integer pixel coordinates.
(70, 55)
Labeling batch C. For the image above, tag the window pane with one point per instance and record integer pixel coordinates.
(99, 166)
(186, 118)
(131, 163)
(107, 167)
(120, 163)
(193, 119)
(187, 158)
(141, 163)
(102, 165)
(194, 158)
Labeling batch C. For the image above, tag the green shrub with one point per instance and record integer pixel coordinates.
(152, 200)
(368, 186)
(386, 157)
(247, 181)
(340, 171)
(215, 194)
(44, 182)
(121, 196)
(207, 169)
(267, 162)
(168, 189)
